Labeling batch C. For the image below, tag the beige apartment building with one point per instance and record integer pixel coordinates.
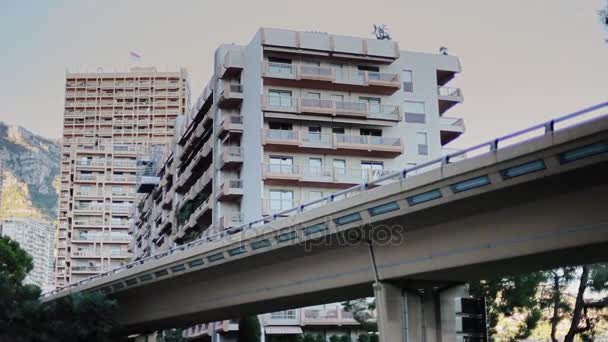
(109, 118)
(289, 118)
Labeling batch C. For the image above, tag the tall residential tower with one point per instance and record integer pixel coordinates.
(292, 117)
(109, 119)
(36, 238)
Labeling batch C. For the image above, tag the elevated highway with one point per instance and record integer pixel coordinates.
(531, 200)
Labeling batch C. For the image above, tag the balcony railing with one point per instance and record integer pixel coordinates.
(323, 174)
(334, 316)
(449, 92)
(455, 123)
(332, 140)
(331, 107)
(329, 74)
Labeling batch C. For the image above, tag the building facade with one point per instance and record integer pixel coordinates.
(36, 237)
(109, 119)
(292, 117)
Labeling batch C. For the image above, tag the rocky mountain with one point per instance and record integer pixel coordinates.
(31, 171)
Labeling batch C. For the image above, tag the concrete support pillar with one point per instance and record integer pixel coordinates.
(416, 315)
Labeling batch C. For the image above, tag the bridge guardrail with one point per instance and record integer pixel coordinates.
(518, 137)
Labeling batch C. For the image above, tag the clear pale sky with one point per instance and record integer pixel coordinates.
(524, 60)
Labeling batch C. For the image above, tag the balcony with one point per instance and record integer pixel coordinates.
(232, 157)
(88, 178)
(333, 316)
(342, 144)
(231, 189)
(89, 207)
(231, 95)
(230, 220)
(232, 65)
(331, 108)
(451, 128)
(88, 194)
(318, 175)
(90, 163)
(232, 124)
(327, 78)
(448, 97)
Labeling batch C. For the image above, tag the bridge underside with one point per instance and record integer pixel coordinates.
(555, 221)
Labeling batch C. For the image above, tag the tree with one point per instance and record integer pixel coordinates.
(249, 329)
(23, 318)
(15, 263)
(583, 314)
(509, 296)
(172, 335)
(361, 310)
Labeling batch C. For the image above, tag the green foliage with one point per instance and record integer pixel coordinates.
(172, 335)
(23, 318)
(15, 263)
(249, 329)
(511, 295)
(361, 310)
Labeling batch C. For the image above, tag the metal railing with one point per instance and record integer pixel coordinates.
(454, 122)
(542, 129)
(448, 91)
(331, 140)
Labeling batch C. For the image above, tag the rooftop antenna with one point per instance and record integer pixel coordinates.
(603, 14)
(381, 32)
(443, 50)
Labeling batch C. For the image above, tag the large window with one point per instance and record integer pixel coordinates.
(280, 66)
(315, 166)
(280, 130)
(371, 131)
(314, 133)
(414, 112)
(286, 314)
(339, 166)
(408, 81)
(422, 141)
(371, 169)
(281, 199)
(373, 103)
(281, 164)
(279, 98)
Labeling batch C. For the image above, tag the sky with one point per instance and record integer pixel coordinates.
(524, 61)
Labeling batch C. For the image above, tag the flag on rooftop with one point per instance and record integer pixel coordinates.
(134, 56)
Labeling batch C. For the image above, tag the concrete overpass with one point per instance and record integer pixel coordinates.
(526, 201)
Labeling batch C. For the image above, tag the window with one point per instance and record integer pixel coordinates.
(315, 195)
(371, 169)
(414, 112)
(408, 81)
(338, 130)
(337, 97)
(339, 166)
(280, 199)
(371, 131)
(279, 60)
(373, 103)
(315, 165)
(422, 141)
(280, 125)
(368, 68)
(313, 95)
(280, 130)
(314, 133)
(280, 66)
(281, 164)
(286, 314)
(279, 98)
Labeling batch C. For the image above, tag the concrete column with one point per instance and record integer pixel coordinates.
(416, 315)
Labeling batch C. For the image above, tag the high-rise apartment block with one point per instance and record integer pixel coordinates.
(1, 179)
(36, 238)
(292, 117)
(110, 118)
